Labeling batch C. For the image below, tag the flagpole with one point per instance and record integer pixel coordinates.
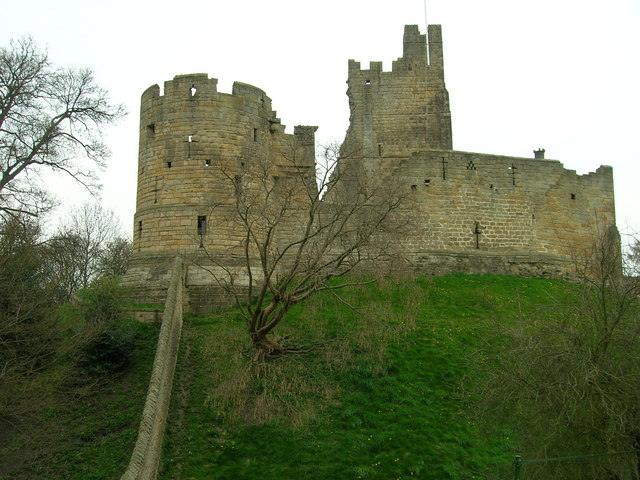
(426, 29)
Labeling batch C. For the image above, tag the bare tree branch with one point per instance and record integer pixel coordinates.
(49, 119)
(302, 224)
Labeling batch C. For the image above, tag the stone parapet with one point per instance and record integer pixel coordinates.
(145, 459)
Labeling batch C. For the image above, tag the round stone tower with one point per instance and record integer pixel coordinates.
(193, 141)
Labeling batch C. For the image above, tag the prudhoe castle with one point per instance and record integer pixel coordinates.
(470, 212)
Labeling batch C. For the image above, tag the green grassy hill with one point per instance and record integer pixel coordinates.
(375, 395)
(381, 391)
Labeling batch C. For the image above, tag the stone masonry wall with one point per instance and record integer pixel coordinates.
(145, 459)
(464, 201)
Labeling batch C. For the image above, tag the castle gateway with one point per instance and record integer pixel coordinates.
(469, 212)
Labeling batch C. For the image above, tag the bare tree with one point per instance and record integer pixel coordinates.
(50, 119)
(79, 247)
(304, 227)
(113, 260)
(633, 257)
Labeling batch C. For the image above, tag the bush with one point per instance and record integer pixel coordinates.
(101, 302)
(109, 350)
(110, 341)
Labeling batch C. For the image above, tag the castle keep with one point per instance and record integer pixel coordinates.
(469, 211)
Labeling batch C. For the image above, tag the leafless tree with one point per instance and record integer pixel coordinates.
(51, 119)
(304, 227)
(113, 260)
(79, 247)
(633, 257)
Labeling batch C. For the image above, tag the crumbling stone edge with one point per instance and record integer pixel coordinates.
(145, 459)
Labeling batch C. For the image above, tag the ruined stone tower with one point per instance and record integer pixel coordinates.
(405, 110)
(470, 212)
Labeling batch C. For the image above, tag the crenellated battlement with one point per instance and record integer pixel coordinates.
(414, 55)
(195, 87)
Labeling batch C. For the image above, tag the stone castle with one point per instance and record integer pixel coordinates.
(471, 212)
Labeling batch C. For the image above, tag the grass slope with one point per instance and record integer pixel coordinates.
(378, 396)
(78, 431)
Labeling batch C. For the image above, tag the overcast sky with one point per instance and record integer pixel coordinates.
(559, 74)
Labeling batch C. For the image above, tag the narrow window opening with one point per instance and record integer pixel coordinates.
(255, 134)
(367, 82)
(380, 149)
(414, 188)
(193, 90)
(237, 185)
(202, 228)
(189, 141)
(202, 225)
(207, 163)
(151, 128)
(573, 196)
(168, 164)
(512, 172)
(471, 165)
(139, 233)
(427, 182)
(155, 192)
(477, 231)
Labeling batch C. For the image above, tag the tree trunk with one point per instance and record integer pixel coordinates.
(265, 348)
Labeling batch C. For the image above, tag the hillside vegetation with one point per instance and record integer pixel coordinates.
(67, 423)
(388, 392)
(396, 380)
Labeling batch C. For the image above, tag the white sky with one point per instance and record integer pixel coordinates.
(559, 74)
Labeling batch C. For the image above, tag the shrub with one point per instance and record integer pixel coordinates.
(110, 341)
(109, 350)
(101, 302)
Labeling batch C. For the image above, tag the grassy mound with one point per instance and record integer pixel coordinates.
(377, 395)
